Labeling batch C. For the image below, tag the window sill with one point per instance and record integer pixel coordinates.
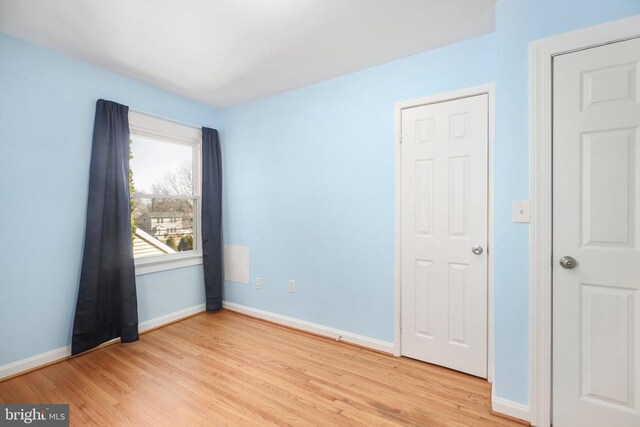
(157, 264)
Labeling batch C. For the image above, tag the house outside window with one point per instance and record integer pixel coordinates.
(166, 189)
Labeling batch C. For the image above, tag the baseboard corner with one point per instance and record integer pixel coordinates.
(23, 366)
(510, 408)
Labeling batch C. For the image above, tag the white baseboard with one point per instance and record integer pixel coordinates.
(62, 353)
(32, 362)
(498, 404)
(171, 317)
(508, 407)
(338, 335)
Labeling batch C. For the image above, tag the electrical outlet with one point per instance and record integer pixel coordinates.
(292, 286)
(258, 282)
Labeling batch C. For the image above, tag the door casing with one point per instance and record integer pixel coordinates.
(541, 53)
(489, 90)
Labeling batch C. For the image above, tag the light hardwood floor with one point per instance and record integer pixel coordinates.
(228, 369)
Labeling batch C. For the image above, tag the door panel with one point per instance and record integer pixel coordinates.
(444, 214)
(596, 215)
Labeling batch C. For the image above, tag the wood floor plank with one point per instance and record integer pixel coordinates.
(228, 369)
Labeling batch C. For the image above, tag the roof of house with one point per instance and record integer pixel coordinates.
(146, 245)
(175, 214)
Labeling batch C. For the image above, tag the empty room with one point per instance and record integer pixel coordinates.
(320, 213)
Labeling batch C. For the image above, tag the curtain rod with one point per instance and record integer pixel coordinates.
(157, 116)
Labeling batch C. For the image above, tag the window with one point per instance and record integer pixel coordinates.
(165, 188)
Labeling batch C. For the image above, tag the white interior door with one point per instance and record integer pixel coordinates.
(444, 215)
(596, 220)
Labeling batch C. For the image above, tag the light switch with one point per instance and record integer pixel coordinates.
(521, 211)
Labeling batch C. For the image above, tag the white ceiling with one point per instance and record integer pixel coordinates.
(222, 52)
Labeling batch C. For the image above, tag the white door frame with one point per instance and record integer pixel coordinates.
(489, 90)
(541, 53)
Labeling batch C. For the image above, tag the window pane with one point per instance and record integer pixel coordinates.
(162, 226)
(159, 167)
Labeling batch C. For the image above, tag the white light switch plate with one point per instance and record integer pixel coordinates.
(521, 211)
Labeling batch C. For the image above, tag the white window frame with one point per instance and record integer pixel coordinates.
(146, 126)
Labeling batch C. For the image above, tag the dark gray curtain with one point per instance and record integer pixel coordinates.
(212, 219)
(107, 306)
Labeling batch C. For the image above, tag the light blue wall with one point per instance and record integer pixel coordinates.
(309, 178)
(517, 23)
(47, 104)
(308, 185)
